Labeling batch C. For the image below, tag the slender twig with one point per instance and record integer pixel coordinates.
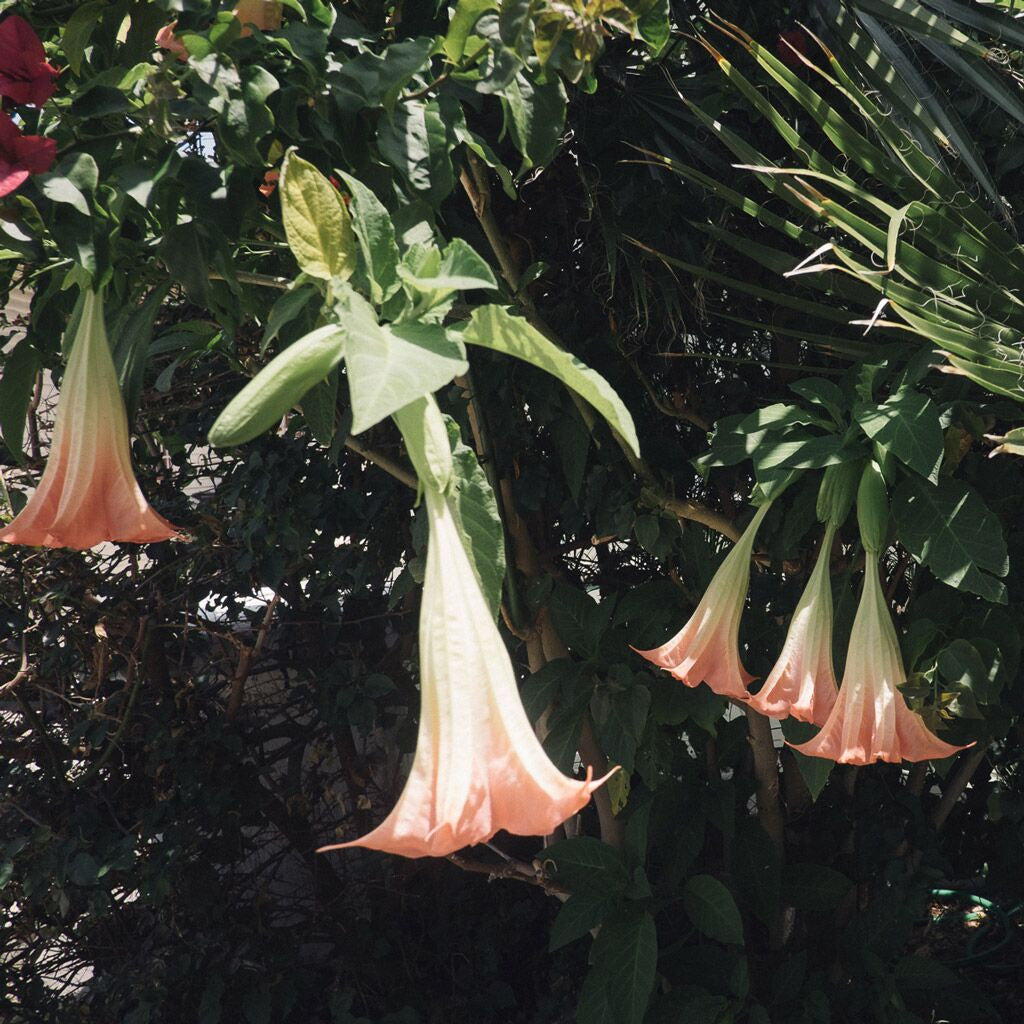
(246, 658)
(969, 764)
(517, 871)
(132, 683)
(23, 673)
(683, 413)
(382, 462)
(248, 277)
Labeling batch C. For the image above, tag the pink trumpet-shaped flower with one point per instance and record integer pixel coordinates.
(803, 681)
(706, 649)
(870, 720)
(88, 492)
(478, 767)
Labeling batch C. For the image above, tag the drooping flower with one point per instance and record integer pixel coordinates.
(803, 681)
(25, 75)
(88, 493)
(478, 766)
(870, 720)
(706, 649)
(21, 155)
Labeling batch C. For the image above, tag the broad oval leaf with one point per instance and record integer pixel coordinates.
(316, 222)
(713, 910)
(950, 529)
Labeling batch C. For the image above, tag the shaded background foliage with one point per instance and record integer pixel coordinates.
(195, 719)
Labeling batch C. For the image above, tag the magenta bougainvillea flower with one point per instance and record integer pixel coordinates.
(803, 681)
(478, 766)
(706, 649)
(870, 720)
(88, 492)
(21, 155)
(25, 76)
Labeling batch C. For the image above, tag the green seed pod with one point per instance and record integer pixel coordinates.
(837, 490)
(872, 509)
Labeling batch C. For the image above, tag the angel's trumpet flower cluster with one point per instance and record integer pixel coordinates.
(864, 720)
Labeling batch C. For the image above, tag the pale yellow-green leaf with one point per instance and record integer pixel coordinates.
(316, 221)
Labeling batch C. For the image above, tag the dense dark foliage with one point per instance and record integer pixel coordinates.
(184, 724)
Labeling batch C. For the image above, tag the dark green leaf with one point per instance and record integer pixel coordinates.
(16, 384)
(908, 425)
(712, 909)
(948, 528)
(814, 887)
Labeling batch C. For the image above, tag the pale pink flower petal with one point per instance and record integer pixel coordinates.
(706, 649)
(479, 766)
(88, 492)
(168, 40)
(870, 720)
(803, 681)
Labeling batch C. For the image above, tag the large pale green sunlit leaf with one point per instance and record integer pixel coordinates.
(495, 328)
(316, 222)
(390, 365)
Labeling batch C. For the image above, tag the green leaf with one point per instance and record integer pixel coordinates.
(595, 1006)
(279, 386)
(535, 115)
(416, 141)
(461, 269)
(131, 347)
(814, 887)
(949, 528)
(908, 425)
(653, 25)
(962, 668)
(372, 81)
(588, 864)
(462, 24)
(822, 392)
(712, 909)
(495, 328)
(376, 235)
(476, 512)
(319, 407)
(581, 913)
(626, 953)
(815, 771)
(78, 30)
(578, 619)
(805, 453)
(316, 222)
(391, 365)
(73, 181)
(16, 385)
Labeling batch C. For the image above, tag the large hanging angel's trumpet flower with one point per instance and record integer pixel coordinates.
(88, 492)
(870, 720)
(803, 681)
(478, 767)
(706, 649)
